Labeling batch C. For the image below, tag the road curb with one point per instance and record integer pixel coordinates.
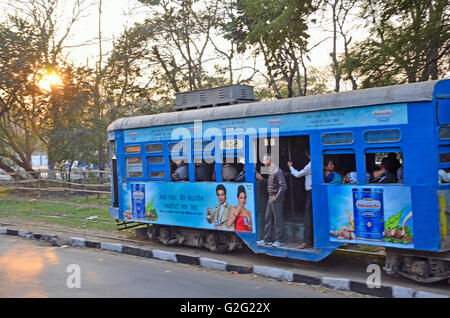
(114, 247)
(214, 264)
(76, 242)
(165, 256)
(272, 272)
(336, 283)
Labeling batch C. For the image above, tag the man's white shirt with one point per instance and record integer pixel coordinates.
(305, 172)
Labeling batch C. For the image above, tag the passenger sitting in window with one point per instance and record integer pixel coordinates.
(331, 176)
(350, 178)
(444, 175)
(384, 174)
(395, 163)
(229, 172)
(181, 172)
(203, 172)
(397, 168)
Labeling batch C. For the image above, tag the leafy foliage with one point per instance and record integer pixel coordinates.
(409, 42)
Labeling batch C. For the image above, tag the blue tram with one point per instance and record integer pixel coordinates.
(183, 173)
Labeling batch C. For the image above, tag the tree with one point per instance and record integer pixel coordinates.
(278, 31)
(409, 42)
(30, 49)
(340, 12)
(22, 107)
(180, 33)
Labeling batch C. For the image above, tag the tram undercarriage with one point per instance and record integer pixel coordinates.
(421, 267)
(215, 241)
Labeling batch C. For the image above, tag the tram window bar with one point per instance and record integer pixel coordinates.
(155, 160)
(389, 135)
(337, 138)
(157, 174)
(150, 148)
(133, 149)
(444, 132)
(134, 167)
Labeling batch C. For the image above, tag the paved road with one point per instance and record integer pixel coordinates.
(31, 269)
(341, 265)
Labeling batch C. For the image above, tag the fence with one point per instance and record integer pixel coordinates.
(55, 181)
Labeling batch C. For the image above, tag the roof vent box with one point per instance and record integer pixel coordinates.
(227, 95)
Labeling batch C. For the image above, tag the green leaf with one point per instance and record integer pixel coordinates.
(393, 221)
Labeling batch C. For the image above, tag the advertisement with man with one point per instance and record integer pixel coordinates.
(222, 206)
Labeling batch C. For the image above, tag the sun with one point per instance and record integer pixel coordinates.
(49, 80)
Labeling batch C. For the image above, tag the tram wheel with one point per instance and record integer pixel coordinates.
(153, 231)
(166, 237)
(214, 244)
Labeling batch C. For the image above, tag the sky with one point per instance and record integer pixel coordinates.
(117, 14)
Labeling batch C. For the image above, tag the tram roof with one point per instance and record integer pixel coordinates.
(415, 92)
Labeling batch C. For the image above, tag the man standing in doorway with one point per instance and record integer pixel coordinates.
(306, 172)
(274, 220)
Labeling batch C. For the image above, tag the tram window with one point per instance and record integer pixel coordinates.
(150, 148)
(155, 160)
(337, 138)
(233, 169)
(205, 170)
(133, 149)
(444, 157)
(444, 132)
(339, 168)
(179, 170)
(388, 135)
(384, 167)
(134, 167)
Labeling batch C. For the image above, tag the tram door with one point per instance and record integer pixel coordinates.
(115, 184)
(291, 148)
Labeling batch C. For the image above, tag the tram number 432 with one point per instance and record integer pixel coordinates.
(231, 144)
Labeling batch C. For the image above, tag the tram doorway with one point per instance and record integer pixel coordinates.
(294, 149)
